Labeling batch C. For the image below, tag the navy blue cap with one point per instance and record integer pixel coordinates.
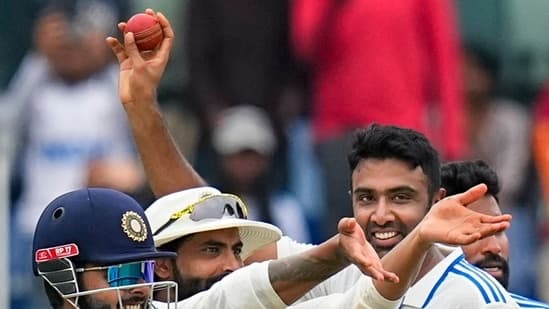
(107, 226)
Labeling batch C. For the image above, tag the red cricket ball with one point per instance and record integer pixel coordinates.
(146, 30)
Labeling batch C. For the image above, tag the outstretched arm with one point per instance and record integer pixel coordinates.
(448, 221)
(290, 277)
(293, 276)
(140, 73)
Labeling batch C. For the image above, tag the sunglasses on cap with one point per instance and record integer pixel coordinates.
(210, 207)
(61, 274)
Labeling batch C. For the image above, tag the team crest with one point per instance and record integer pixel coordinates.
(134, 226)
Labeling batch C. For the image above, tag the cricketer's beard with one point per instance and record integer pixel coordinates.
(187, 287)
(496, 260)
(88, 302)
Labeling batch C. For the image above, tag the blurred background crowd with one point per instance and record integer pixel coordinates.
(261, 97)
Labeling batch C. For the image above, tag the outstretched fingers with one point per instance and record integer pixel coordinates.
(469, 233)
(493, 228)
(471, 195)
(117, 49)
(358, 251)
(347, 226)
(378, 273)
(490, 225)
(370, 265)
(122, 26)
(167, 42)
(495, 219)
(131, 49)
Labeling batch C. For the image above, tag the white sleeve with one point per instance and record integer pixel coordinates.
(287, 246)
(248, 287)
(363, 295)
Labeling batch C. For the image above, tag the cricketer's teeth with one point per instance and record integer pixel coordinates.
(385, 235)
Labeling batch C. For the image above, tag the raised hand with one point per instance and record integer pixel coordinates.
(450, 221)
(358, 251)
(140, 72)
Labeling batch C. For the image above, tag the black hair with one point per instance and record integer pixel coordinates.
(173, 246)
(391, 142)
(457, 177)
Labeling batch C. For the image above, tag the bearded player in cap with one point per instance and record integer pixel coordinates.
(210, 234)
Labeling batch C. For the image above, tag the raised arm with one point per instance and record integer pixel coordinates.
(140, 73)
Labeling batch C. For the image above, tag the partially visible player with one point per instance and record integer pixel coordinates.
(94, 249)
(490, 254)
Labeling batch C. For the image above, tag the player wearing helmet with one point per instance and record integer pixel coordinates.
(94, 249)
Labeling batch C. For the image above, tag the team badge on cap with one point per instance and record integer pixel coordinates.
(134, 226)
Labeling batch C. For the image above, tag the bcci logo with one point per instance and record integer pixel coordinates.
(134, 226)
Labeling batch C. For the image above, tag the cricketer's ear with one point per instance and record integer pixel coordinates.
(163, 268)
(439, 195)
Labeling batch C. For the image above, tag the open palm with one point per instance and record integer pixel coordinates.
(450, 221)
(358, 251)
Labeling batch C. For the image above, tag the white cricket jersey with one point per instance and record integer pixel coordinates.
(452, 283)
(363, 295)
(525, 302)
(250, 287)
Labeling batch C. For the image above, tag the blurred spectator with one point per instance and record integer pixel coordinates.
(498, 129)
(378, 61)
(541, 141)
(238, 54)
(245, 141)
(541, 157)
(499, 133)
(69, 116)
